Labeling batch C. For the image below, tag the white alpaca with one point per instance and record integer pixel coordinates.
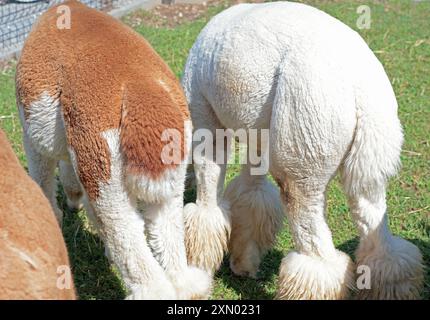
(98, 98)
(329, 106)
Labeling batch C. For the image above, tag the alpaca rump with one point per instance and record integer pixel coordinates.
(329, 106)
(98, 98)
(33, 255)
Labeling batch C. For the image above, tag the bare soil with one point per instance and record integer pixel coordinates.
(170, 16)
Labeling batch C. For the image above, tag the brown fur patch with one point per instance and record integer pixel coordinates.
(107, 77)
(31, 243)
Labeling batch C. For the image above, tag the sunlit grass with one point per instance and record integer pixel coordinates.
(399, 35)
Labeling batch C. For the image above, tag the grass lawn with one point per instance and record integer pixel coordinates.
(400, 37)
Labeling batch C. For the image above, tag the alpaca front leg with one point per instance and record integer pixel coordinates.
(207, 222)
(316, 270)
(396, 270)
(71, 185)
(166, 238)
(256, 218)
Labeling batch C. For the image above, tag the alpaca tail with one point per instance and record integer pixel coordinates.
(374, 155)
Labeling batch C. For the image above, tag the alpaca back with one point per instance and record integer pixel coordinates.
(102, 76)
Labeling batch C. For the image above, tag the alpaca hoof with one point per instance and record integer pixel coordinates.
(74, 205)
(192, 284)
(206, 235)
(246, 264)
(395, 273)
(303, 277)
(155, 290)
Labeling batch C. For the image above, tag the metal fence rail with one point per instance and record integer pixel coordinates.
(17, 17)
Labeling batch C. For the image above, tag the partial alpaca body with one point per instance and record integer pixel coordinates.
(33, 257)
(329, 105)
(98, 98)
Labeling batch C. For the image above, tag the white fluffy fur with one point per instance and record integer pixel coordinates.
(154, 264)
(45, 126)
(304, 277)
(158, 289)
(207, 232)
(148, 248)
(207, 223)
(192, 283)
(122, 229)
(396, 270)
(328, 104)
(395, 264)
(256, 218)
(42, 168)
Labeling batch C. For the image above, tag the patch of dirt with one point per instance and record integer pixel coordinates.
(170, 16)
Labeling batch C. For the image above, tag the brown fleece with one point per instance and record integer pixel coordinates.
(107, 77)
(31, 244)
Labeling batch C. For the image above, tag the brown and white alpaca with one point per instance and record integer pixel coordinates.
(33, 256)
(98, 97)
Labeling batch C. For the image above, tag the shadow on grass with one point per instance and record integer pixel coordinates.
(93, 275)
(349, 247)
(251, 289)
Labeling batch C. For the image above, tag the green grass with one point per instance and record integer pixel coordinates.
(400, 36)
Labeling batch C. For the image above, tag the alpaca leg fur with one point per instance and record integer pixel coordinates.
(42, 170)
(316, 270)
(396, 269)
(166, 239)
(71, 185)
(256, 218)
(207, 222)
(122, 228)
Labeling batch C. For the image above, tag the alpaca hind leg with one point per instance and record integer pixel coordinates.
(316, 270)
(122, 229)
(42, 170)
(395, 265)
